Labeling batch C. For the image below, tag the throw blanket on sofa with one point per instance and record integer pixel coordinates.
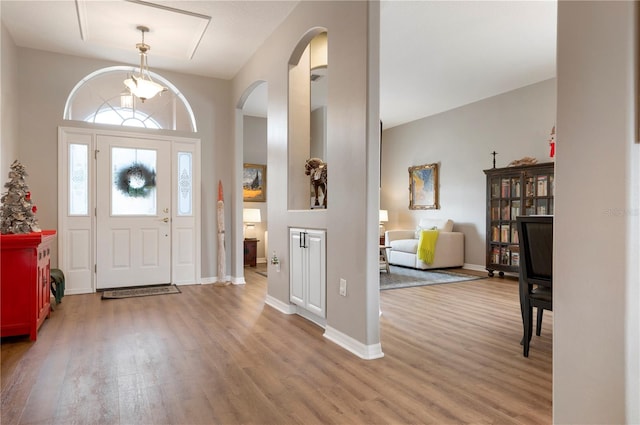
(427, 245)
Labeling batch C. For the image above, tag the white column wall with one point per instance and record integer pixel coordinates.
(596, 279)
(351, 219)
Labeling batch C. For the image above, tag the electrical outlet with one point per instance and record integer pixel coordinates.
(343, 287)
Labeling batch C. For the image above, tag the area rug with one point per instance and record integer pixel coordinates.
(402, 277)
(143, 291)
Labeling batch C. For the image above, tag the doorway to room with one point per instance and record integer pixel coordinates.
(253, 108)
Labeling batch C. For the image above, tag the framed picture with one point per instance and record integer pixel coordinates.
(254, 183)
(423, 187)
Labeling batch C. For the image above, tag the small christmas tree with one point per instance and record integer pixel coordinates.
(17, 213)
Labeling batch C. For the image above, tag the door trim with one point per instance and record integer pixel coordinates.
(77, 233)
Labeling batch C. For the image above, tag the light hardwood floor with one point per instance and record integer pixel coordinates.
(219, 355)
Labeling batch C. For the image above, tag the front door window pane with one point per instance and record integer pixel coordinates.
(185, 183)
(133, 173)
(78, 179)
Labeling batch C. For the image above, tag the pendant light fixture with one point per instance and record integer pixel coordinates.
(141, 85)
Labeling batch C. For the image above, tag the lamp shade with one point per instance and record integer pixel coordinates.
(126, 100)
(251, 215)
(384, 216)
(142, 88)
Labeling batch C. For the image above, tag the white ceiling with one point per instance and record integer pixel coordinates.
(434, 56)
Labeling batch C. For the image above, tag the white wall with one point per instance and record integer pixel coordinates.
(596, 359)
(44, 81)
(350, 220)
(9, 106)
(514, 124)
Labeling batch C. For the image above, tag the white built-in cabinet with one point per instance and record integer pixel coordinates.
(307, 259)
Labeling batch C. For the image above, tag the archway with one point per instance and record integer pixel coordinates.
(251, 148)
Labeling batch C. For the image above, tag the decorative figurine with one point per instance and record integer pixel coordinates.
(316, 169)
(552, 144)
(527, 160)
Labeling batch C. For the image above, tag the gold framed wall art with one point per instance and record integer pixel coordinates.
(423, 187)
(254, 183)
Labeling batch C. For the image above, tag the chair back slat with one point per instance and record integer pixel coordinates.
(536, 249)
(536, 271)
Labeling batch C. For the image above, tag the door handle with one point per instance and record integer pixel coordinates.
(302, 242)
(165, 220)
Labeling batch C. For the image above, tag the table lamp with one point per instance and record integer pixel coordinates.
(384, 217)
(250, 216)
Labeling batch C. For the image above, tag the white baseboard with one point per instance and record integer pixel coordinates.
(78, 291)
(214, 279)
(320, 321)
(237, 280)
(475, 267)
(366, 352)
(282, 307)
(186, 283)
(288, 308)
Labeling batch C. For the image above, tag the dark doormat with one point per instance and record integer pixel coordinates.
(143, 291)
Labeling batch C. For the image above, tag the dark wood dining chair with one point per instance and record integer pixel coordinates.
(536, 271)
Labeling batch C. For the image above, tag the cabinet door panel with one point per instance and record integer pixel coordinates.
(297, 261)
(317, 288)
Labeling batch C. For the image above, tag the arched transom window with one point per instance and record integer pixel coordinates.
(102, 98)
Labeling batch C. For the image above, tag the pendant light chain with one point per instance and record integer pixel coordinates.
(143, 86)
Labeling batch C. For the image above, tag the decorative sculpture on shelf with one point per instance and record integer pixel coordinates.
(316, 169)
(527, 160)
(552, 144)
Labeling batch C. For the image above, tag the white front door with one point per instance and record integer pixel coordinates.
(133, 213)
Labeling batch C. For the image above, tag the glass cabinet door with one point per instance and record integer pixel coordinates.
(513, 192)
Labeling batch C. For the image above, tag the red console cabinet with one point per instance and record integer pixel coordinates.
(25, 288)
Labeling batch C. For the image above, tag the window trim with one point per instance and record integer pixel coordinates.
(67, 107)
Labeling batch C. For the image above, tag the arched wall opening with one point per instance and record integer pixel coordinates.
(251, 178)
(307, 105)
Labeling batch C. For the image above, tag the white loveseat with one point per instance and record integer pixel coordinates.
(403, 245)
